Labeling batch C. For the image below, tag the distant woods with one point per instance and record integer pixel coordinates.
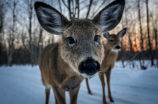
(22, 39)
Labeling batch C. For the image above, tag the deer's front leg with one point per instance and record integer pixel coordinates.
(59, 94)
(47, 92)
(74, 95)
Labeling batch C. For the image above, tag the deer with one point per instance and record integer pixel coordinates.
(111, 49)
(78, 54)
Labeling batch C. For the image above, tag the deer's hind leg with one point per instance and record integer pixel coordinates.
(56, 102)
(88, 88)
(101, 76)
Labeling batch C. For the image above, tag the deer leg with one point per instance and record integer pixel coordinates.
(47, 92)
(56, 102)
(108, 82)
(89, 90)
(74, 95)
(103, 87)
(59, 94)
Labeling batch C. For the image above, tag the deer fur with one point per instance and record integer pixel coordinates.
(79, 52)
(111, 49)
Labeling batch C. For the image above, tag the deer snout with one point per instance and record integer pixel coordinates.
(117, 47)
(89, 67)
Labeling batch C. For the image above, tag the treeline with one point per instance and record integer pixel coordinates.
(22, 39)
(21, 56)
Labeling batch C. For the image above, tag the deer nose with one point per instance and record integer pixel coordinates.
(89, 66)
(117, 47)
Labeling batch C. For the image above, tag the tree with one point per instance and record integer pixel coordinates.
(3, 9)
(29, 4)
(11, 33)
(148, 32)
(141, 33)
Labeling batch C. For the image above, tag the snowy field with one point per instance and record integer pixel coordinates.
(22, 85)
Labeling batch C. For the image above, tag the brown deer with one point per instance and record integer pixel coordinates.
(79, 52)
(111, 49)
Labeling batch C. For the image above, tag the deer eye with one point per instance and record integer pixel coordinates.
(71, 40)
(111, 40)
(96, 38)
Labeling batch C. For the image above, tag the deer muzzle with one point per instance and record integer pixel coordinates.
(117, 47)
(89, 67)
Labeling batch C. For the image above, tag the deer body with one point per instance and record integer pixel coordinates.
(59, 79)
(66, 79)
(109, 60)
(111, 49)
(78, 54)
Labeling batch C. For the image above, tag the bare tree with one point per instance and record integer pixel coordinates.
(141, 34)
(11, 33)
(156, 44)
(60, 7)
(148, 32)
(89, 8)
(154, 20)
(40, 41)
(2, 16)
(74, 9)
(29, 4)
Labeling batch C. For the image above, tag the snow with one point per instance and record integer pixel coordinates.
(22, 85)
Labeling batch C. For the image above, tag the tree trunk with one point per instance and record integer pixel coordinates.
(30, 32)
(69, 9)
(148, 32)
(89, 8)
(78, 8)
(141, 57)
(156, 43)
(60, 6)
(40, 42)
(12, 36)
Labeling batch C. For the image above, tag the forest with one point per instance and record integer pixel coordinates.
(22, 39)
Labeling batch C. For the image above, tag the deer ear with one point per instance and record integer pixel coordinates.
(106, 35)
(110, 16)
(122, 32)
(49, 18)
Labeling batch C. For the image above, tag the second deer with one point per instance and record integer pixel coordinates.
(111, 49)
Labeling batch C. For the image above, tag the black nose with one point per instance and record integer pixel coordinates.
(89, 66)
(117, 47)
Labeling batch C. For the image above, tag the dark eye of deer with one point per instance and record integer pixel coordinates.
(71, 40)
(111, 40)
(96, 38)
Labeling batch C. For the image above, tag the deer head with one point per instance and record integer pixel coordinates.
(113, 40)
(80, 46)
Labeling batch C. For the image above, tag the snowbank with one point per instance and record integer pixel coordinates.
(22, 85)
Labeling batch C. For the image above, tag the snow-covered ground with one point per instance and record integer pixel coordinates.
(22, 85)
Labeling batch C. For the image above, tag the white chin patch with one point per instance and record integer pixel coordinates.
(87, 76)
(115, 50)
